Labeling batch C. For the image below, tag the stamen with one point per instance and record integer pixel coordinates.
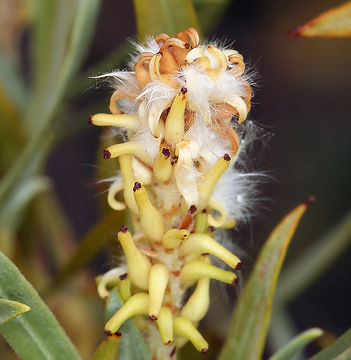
(183, 327)
(114, 189)
(197, 269)
(125, 288)
(137, 305)
(131, 148)
(137, 263)
(174, 237)
(123, 120)
(158, 280)
(174, 127)
(201, 243)
(165, 325)
(151, 220)
(162, 166)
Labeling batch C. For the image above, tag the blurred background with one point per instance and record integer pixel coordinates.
(302, 98)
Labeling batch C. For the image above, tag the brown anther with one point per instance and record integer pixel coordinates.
(168, 343)
(204, 351)
(123, 276)
(166, 153)
(136, 186)
(235, 281)
(107, 154)
(192, 209)
(183, 90)
(187, 45)
(90, 119)
(118, 334)
(238, 266)
(204, 211)
(309, 201)
(173, 352)
(153, 317)
(226, 157)
(124, 229)
(107, 333)
(211, 229)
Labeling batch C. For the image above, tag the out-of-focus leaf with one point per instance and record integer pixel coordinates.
(210, 13)
(249, 324)
(103, 232)
(339, 350)
(164, 16)
(297, 344)
(314, 261)
(36, 334)
(77, 46)
(132, 345)
(335, 22)
(108, 349)
(11, 309)
(282, 329)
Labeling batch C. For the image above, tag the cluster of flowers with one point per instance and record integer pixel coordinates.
(178, 109)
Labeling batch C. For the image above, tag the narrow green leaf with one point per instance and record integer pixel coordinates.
(36, 334)
(132, 345)
(339, 350)
(297, 344)
(164, 16)
(11, 309)
(108, 349)
(314, 261)
(103, 232)
(249, 325)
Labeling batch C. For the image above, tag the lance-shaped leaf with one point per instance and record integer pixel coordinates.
(108, 349)
(335, 22)
(297, 344)
(339, 350)
(11, 309)
(249, 325)
(132, 345)
(159, 16)
(36, 334)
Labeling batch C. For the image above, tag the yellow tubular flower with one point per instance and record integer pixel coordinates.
(180, 109)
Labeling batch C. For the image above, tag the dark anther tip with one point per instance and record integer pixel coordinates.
(153, 317)
(295, 33)
(136, 186)
(166, 153)
(168, 343)
(124, 229)
(235, 281)
(183, 90)
(107, 333)
(204, 351)
(211, 229)
(118, 334)
(173, 351)
(192, 209)
(238, 266)
(187, 45)
(309, 201)
(107, 154)
(123, 276)
(90, 120)
(204, 211)
(226, 157)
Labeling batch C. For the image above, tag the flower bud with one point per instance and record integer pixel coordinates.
(197, 305)
(125, 163)
(158, 279)
(127, 121)
(136, 305)
(174, 237)
(162, 166)
(197, 269)
(201, 244)
(208, 182)
(183, 327)
(151, 219)
(165, 325)
(174, 127)
(137, 263)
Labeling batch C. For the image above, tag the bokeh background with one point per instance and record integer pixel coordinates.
(302, 98)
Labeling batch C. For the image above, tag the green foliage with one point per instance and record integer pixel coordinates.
(11, 309)
(249, 325)
(36, 334)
